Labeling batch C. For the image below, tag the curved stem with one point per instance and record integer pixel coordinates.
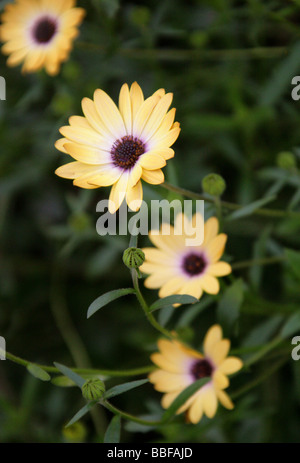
(262, 261)
(190, 54)
(128, 416)
(83, 371)
(145, 307)
(276, 213)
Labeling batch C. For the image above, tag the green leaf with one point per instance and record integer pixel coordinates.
(183, 397)
(38, 372)
(121, 388)
(192, 312)
(106, 298)
(70, 374)
(165, 314)
(291, 326)
(170, 300)
(62, 381)
(281, 78)
(250, 208)
(229, 305)
(113, 431)
(293, 258)
(83, 411)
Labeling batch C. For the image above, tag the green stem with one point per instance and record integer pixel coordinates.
(267, 348)
(63, 319)
(262, 261)
(128, 416)
(190, 55)
(145, 307)
(260, 379)
(84, 371)
(276, 213)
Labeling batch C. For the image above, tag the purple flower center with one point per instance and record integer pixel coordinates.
(201, 369)
(194, 264)
(126, 151)
(44, 30)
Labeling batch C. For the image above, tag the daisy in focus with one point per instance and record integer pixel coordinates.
(39, 33)
(176, 268)
(180, 366)
(120, 146)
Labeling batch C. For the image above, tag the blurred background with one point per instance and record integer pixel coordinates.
(230, 65)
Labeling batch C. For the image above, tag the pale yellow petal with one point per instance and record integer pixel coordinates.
(215, 248)
(134, 196)
(85, 136)
(213, 335)
(118, 193)
(209, 402)
(137, 98)
(76, 169)
(155, 177)
(230, 365)
(165, 381)
(220, 380)
(152, 161)
(224, 399)
(209, 284)
(219, 269)
(157, 116)
(143, 114)
(126, 108)
(211, 229)
(195, 412)
(219, 352)
(109, 113)
(87, 154)
(171, 287)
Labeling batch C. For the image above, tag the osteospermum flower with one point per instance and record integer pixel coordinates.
(120, 146)
(39, 33)
(180, 366)
(178, 268)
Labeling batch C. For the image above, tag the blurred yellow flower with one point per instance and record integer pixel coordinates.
(119, 146)
(39, 33)
(176, 268)
(180, 366)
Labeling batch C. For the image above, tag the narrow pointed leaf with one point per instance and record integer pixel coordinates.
(38, 372)
(83, 411)
(121, 388)
(113, 432)
(106, 298)
(183, 397)
(170, 300)
(70, 374)
(250, 208)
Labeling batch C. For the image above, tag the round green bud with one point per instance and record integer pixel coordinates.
(286, 160)
(79, 222)
(214, 185)
(133, 257)
(76, 433)
(93, 389)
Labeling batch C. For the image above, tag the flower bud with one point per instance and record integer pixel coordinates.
(286, 160)
(93, 389)
(214, 185)
(133, 257)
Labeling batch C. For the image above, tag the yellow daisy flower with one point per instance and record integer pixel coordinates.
(180, 366)
(120, 146)
(176, 268)
(39, 33)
